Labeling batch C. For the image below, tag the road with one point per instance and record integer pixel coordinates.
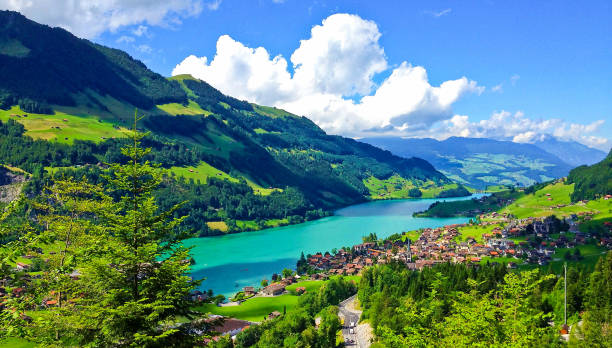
(362, 333)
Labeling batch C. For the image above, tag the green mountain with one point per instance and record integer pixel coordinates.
(480, 162)
(66, 104)
(592, 181)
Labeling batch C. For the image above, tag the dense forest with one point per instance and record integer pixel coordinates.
(31, 76)
(463, 306)
(592, 181)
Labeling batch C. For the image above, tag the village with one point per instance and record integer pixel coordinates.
(529, 241)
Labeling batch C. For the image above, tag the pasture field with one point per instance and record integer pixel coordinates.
(547, 200)
(204, 171)
(63, 127)
(256, 308)
(475, 231)
(179, 109)
(396, 187)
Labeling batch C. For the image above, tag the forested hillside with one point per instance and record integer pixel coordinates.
(592, 181)
(64, 103)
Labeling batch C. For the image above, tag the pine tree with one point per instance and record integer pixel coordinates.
(147, 284)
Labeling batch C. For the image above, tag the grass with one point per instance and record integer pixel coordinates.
(271, 111)
(81, 127)
(544, 201)
(309, 285)
(397, 187)
(263, 131)
(16, 342)
(179, 109)
(253, 309)
(217, 225)
(475, 231)
(251, 225)
(204, 171)
(256, 308)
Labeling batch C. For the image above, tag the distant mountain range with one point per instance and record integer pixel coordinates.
(481, 162)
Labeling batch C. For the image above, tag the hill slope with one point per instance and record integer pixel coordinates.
(571, 152)
(592, 181)
(480, 162)
(64, 105)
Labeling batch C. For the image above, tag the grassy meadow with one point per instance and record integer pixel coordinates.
(63, 127)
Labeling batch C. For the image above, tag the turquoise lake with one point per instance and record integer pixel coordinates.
(233, 261)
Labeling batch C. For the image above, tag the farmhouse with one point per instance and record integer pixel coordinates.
(274, 289)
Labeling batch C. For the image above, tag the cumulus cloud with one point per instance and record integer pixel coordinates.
(333, 80)
(498, 88)
(516, 127)
(89, 18)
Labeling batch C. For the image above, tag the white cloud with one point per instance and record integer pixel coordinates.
(144, 48)
(141, 30)
(341, 56)
(505, 125)
(89, 18)
(438, 14)
(332, 80)
(497, 88)
(125, 39)
(514, 79)
(214, 5)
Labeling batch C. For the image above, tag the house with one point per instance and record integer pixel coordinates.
(274, 314)
(249, 291)
(22, 266)
(274, 289)
(229, 326)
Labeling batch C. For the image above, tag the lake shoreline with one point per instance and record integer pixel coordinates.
(232, 261)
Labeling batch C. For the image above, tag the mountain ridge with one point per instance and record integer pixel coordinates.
(481, 162)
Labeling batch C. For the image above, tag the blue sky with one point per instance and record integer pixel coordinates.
(543, 59)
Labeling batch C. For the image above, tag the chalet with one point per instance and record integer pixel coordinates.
(21, 266)
(274, 289)
(249, 291)
(228, 326)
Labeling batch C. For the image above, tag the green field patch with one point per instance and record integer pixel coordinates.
(17, 342)
(202, 172)
(545, 202)
(475, 231)
(271, 111)
(263, 131)
(179, 109)
(253, 309)
(397, 187)
(64, 128)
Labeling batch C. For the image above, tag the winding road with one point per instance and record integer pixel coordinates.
(362, 333)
